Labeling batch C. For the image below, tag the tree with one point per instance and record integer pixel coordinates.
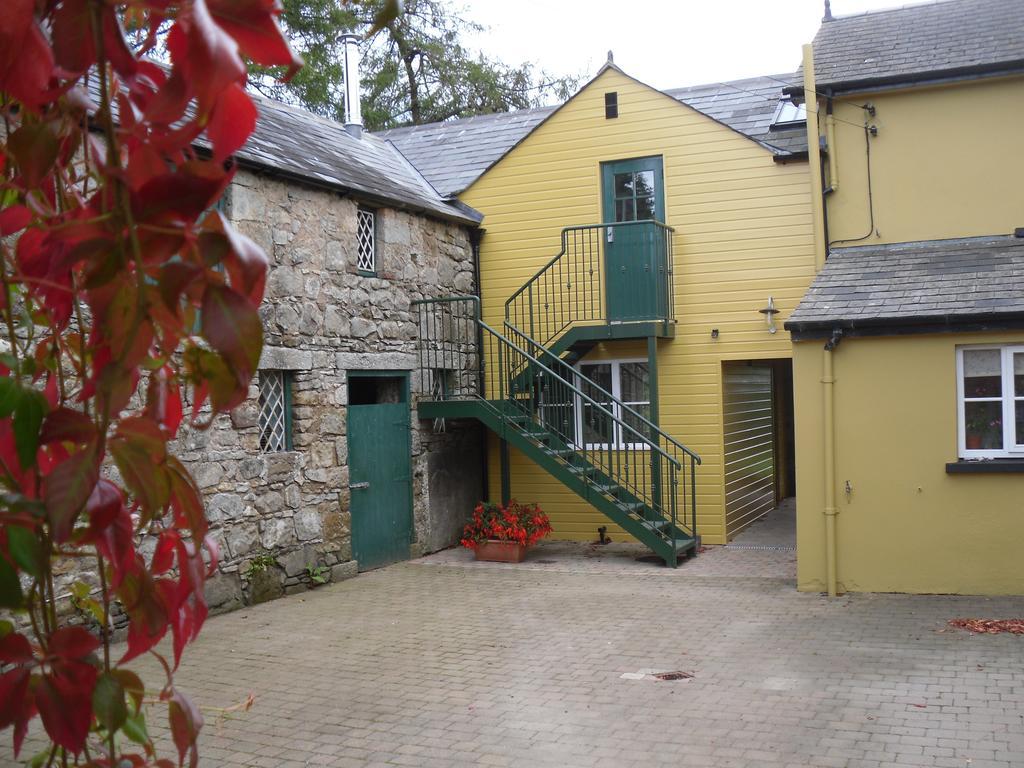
(127, 305)
(415, 68)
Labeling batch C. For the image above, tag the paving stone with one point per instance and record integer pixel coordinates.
(448, 662)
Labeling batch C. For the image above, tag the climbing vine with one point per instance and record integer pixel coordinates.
(127, 306)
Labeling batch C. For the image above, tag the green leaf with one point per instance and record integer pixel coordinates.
(10, 587)
(134, 728)
(132, 685)
(34, 148)
(26, 549)
(6, 628)
(10, 394)
(28, 416)
(108, 702)
(81, 594)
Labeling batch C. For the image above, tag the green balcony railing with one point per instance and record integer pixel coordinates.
(611, 272)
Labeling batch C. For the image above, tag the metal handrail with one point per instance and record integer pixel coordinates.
(640, 458)
(592, 303)
(623, 406)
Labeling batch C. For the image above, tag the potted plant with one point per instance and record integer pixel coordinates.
(503, 533)
(983, 431)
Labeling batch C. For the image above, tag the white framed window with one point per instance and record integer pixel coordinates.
(275, 411)
(629, 381)
(788, 115)
(990, 401)
(366, 240)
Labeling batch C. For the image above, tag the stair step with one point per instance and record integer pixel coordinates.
(581, 470)
(656, 525)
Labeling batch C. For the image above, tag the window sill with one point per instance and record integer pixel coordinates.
(985, 466)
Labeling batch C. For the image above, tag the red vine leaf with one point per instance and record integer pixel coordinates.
(232, 121)
(252, 24)
(67, 488)
(26, 60)
(73, 42)
(232, 326)
(186, 722)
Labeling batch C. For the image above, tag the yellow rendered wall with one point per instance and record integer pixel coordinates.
(906, 526)
(743, 233)
(947, 162)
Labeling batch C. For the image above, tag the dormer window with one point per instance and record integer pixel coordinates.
(788, 115)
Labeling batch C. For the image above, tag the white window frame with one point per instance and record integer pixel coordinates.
(276, 430)
(366, 212)
(616, 409)
(1013, 444)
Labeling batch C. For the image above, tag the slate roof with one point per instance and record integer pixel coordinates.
(906, 44)
(748, 107)
(297, 143)
(938, 282)
(453, 154)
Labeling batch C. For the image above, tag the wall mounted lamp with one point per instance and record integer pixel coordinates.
(769, 313)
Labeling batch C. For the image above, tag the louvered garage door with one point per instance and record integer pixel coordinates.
(749, 446)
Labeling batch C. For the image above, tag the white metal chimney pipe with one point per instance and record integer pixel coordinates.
(353, 109)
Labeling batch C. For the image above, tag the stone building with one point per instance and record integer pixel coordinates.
(295, 492)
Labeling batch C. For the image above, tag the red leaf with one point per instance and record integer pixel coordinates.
(147, 611)
(72, 643)
(34, 148)
(115, 541)
(67, 425)
(67, 488)
(15, 649)
(103, 505)
(26, 61)
(211, 60)
(186, 722)
(144, 434)
(186, 500)
(232, 326)
(163, 401)
(182, 195)
(163, 555)
(73, 41)
(14, 219)
(244, 261)
(114, 45)
(17, 705)
(252, 23)
(13, 687)
(145, 478)
(64, 699)
(232, 122)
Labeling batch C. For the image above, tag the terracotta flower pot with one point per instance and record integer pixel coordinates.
(500, 551)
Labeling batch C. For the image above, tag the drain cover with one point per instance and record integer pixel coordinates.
(673, 675)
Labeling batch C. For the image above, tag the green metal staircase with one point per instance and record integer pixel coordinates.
(530, 397)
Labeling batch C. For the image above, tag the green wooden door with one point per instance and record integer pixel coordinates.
(632, 190)
(379, 467)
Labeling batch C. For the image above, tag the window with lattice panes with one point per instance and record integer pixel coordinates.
(366, 240)
(275, 411)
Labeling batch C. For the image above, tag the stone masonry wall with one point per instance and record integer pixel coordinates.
(274, 514)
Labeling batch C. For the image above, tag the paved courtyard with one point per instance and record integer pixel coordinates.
(446, 662)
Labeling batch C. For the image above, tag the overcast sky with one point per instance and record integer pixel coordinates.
(664, 43)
